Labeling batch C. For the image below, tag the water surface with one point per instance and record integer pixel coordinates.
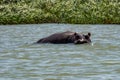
(21, 60)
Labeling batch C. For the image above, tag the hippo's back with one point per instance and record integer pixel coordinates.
(57, 37)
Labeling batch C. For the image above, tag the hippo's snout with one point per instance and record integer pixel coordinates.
(82, 41)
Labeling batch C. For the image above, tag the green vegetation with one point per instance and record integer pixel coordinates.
(60, 11)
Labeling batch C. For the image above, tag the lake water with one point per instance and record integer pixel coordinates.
(22, 60)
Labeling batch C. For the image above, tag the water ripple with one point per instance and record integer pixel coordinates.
(22, 60)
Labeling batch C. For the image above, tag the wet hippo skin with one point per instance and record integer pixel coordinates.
(66, 37)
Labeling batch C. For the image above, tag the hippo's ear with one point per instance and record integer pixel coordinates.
(89, 34)
(76, 35)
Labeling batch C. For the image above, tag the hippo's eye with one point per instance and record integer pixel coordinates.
(77, 37)
(86, 37)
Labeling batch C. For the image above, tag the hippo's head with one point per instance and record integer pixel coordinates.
(81, 38)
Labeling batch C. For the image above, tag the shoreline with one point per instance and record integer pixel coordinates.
(59, 11)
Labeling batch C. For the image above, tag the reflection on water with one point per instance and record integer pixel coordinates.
(20, 59)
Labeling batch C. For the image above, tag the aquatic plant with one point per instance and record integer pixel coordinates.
(60, 11)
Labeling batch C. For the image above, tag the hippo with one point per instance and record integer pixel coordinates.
(66, 37)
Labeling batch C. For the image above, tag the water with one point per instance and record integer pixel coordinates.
(21, 60)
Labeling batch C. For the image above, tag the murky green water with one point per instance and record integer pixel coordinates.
(21, 60)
